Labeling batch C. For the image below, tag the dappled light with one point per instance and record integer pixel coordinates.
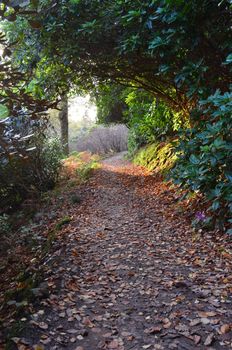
(115, 175)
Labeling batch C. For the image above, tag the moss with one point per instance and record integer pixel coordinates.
(159, 158)
(65, 220)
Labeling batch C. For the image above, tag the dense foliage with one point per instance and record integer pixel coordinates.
(110, 103)
(156, 157)
(25, 166)
(150, 120)
(168, 47)
(32, 165)
(175, 53)
(205, 156)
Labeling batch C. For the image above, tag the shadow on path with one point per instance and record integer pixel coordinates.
(129, 275)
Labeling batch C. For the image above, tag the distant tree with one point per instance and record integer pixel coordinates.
(63, 117)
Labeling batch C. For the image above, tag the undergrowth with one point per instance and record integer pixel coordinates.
(80, 166)
(159, 158)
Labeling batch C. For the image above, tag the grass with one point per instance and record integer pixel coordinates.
(85, 171)
(63, 221)
(80, 166)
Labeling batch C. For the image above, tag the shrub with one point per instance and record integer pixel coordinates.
(150, 120)
(156, 157)
(104, 139)
(46, 163)
(4, 224)
(36, 172)
(205, 157)
(86, 169)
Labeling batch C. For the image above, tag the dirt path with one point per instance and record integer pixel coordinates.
(129, 275)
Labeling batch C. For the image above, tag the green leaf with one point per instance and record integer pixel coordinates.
(4, 111)
(21, 3)
(215, 206)
(193, 159)
(158, 41)
(229, 59)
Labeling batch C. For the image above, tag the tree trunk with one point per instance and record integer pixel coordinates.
(63, 117)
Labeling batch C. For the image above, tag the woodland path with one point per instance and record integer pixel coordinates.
(130, 274)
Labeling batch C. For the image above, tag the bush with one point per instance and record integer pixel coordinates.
(79, 166)
(4, 224)
(150, 120)
(21, 177)
(46, 163)
(104, 139)
(156, 157)
(86, 169)
(205, 157)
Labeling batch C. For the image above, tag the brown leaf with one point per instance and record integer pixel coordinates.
(167, 323)
(197, 339)
(207, 313)
(225, 328)
(35, 24)
(43, 325)
(153, 330)
(114, 344)
(209, 339)
(195, 322)
(38, 347)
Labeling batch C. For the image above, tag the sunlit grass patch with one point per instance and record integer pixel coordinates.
(79, 166)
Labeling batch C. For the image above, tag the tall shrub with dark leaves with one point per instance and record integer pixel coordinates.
(205, 157)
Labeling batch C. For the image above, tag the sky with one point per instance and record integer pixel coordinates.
(80, 107)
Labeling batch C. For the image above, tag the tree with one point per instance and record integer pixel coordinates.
(44, 81)
(110, 102)
(63, 117)
(168, 47)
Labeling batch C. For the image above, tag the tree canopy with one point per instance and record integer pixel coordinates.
(170, 47)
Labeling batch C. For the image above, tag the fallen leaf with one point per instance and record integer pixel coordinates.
(205, 320)
(153, 330)
(72, 331)
(43, 325)
(209, 339)
(207, 313)
(225, 328)
(195, 322)
(197, 339)
(114, 344)
(38, 347)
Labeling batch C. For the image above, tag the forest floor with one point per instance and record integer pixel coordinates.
(128, 272)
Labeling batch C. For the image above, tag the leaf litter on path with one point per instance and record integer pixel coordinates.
(129, 274)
